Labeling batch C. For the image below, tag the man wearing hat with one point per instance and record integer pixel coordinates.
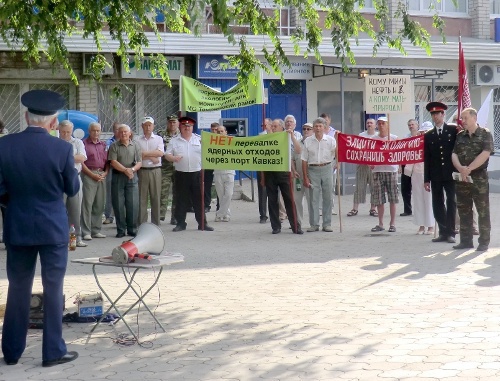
(150, 172)
(35, 171)
(167, 170)
(438, 169)
(184, 151)
(384, 180)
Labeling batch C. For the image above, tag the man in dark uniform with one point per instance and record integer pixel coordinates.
(438, 170)
(184, 150)
(35, 171)
(473, 147)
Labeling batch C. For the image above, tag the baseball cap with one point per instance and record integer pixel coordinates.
(382, 119)
(148, 119)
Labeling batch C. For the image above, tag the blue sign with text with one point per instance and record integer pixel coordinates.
(210, 67)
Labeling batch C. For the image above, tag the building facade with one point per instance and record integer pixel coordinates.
(305, 93)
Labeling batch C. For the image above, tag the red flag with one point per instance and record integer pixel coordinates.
(463, 82)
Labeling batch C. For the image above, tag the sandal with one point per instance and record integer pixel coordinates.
(353, 212)
(378, 228)
(392, 229)
(373, 213)
(421, 230)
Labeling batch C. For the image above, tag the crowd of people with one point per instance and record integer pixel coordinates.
(53, 185)
(452, 178)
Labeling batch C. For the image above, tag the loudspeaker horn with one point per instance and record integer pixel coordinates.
(149, 240)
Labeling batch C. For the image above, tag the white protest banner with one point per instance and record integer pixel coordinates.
(388, 94)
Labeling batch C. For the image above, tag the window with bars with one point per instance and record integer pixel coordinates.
(289, 87)
(10, 107)
(128, 103)
(446, 94)
(11, 110)
(496, 119)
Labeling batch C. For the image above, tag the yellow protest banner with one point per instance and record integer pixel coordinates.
(268, 152)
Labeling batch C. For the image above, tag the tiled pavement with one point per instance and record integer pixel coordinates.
(249, 305)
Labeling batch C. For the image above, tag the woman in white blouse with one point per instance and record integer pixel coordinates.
(422, 200)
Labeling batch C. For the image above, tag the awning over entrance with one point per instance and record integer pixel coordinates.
(361, 71)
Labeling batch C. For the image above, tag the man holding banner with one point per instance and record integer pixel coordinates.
(277, 182)
(317, 158)
(184, 151)
(385, 180)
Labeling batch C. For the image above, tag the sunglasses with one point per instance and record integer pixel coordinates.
(307, 129)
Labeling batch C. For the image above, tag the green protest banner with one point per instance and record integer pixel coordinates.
(196, 96)
(269, 152)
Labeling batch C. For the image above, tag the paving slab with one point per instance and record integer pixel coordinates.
(249, 305)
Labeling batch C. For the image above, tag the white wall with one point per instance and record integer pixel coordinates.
(398, 122)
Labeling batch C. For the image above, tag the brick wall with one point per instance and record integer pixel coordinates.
(479, 11)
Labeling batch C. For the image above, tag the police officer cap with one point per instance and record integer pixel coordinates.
(173, 117)
(436, 107)
(43, 102)
(187, 121)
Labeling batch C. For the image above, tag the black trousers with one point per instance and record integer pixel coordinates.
(280, 182)
(208, 180)
(444, 214)
(187, 186)
(406, 192)
(262, 196)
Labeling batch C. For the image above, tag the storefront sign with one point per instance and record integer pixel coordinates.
(210, 66)
(142, 68)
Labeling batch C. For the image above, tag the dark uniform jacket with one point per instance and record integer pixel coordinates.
(437, 154)
(35, 170)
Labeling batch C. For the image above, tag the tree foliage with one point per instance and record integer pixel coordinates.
(39, 28)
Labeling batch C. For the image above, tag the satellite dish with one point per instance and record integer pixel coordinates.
(485, 74)
(78, 133)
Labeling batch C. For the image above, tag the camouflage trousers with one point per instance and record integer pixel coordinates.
(167, 187)
(477, 193)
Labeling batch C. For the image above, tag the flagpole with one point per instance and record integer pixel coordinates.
(463, 82)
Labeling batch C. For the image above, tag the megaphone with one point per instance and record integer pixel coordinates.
(149, 239)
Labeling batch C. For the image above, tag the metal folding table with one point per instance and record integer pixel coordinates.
(129, 271)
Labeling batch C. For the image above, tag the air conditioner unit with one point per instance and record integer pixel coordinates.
(87, 58)
(485, 74)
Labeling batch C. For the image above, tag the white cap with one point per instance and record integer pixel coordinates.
(426, 126)
(382, 119)
(148, 119)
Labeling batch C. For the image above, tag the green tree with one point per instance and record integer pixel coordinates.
(39, 28)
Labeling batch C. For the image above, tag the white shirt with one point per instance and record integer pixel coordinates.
(78, 149)
(319, 151)
(385, 168)
(154, 142)
(189, 150)
(365, 134)
(298, 135)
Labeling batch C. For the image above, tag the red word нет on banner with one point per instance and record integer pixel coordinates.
(358, 150)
